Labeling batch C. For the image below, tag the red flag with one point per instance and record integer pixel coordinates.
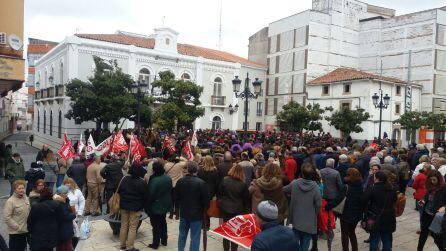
(187, 150)
(168, 144)
(66, 151)
(241, 229)
(136, 148)
(119, 143)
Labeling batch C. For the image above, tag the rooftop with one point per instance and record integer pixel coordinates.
(348, 74)
(184, 49)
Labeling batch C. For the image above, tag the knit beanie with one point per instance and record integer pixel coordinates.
(267, 211)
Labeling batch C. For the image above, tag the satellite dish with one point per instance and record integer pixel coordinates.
(15, 42)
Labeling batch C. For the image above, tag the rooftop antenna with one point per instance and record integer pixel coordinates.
(219, 31)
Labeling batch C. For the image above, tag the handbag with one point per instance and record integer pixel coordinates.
(115, 200)
(213, 210)
(339, 209)
(435, 226)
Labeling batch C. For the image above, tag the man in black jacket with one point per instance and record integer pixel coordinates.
(78, 172)
(193, 199)
(112, 173)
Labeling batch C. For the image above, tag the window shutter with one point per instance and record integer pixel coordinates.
(276, 85)
(266, 106)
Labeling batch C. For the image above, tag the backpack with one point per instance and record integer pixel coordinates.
(400, 204)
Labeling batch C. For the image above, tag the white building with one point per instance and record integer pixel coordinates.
(143, 57)
(349, 33)
(349, 88)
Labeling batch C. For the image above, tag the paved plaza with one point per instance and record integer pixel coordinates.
(405, 238)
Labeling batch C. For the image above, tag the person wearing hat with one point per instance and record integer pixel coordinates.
(273, 235)
(65, 229)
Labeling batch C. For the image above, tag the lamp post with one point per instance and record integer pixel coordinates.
(381, 102)
(139, 89)
(246, 94)
(233, 109)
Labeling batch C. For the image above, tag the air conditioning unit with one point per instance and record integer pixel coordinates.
(2, 38)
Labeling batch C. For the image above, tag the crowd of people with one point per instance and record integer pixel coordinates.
(311, 182)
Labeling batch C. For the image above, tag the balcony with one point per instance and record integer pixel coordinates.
(59, 91)
(50, 92)
(218, 100)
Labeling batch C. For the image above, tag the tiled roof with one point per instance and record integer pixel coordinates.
(40, 48)
(184, 49)
(348, 74)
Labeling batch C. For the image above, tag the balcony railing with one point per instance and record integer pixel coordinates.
(218, 100)
(44, 93)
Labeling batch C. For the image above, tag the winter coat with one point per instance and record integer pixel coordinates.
(419, 184)
(15, 213)
(274, 237)
(34, 198)
(15, 171)
(248, 167)
(133, 192)
(112, 173)
(77, 200)
(319, 160)
(353, 208)
(160, 199)
(305, 204)
(438, 198)
(65, 230)
(273, 190)
(174, 171)
(290, 168)
(256, 195)
(78, 172)
(416, 158)
(379, 200)
(334, 156)
(212, 180)
(43, 224)
(50, 169)
(233, 197)
(223, 169)
(332, 183)
(342, 169)
(31, 176)
(192, 197)
(63, 165)
(404, 171)
(392, 169)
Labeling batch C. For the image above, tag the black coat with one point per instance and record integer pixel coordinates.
(353, 208)
(223, 169)
(32, 175)
(133, 192)
(379, 200)
(212, 180)
(78, 172)
(274, 237)
(233, 196)
(66, 224)
(192, 196)
(43, 224)
(112, 173)
(439, 199)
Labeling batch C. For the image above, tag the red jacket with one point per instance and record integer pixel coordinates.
(290, 168)
(419, 186)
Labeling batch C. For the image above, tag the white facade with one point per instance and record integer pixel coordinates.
(73, 58)
(350, 33)
(359, 95)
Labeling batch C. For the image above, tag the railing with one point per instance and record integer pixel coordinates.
(44, 93)
(218, 100)
(50, 92)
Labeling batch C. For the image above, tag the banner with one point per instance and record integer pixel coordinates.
(168, 144)
(241, 230)
(66, 151)
(80, 145)
(187, 150)
(119, 144)
(136, 148)
(89, 149)
(105, 147)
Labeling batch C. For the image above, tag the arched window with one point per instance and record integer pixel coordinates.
(59, 126)
(216, 123)
(144, 75)
(51, 122)
(61, 73)
(38, 120)
(217, 86)
(185, 76)
(44, 121)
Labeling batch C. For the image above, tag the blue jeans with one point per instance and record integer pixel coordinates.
(303, 240)
(60, 178)
(195, 230)
(385, 237)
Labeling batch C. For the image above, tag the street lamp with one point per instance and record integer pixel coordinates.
(51, 79)
(233, 109)
(381, 103)
(246, 94)
(139, 89)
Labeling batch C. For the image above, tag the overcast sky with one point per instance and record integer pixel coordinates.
(197, 21)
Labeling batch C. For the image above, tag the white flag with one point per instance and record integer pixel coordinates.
(194, 141)
(89, 150)
(80, 145)
(105, 146)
